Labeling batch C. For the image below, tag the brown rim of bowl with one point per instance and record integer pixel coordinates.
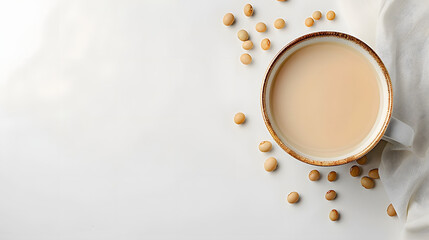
(389, 89)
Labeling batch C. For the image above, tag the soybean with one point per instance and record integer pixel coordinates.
(317, 15)
(247, 45)
(355, 171)
(248, 10)
(293, 197)
(373, 173)
(239, 118)
(245, 58)
(309, 22)
(314, 175)
(362, 160)
(334, 215)
(228, 19)
(243, 35)
(367, 182)
(279, 23)
(265, 146)
(332, 176)
(330, 15)
(265, 44)
(270, 164)
(330, 195)
(261, 27)
(391, 210)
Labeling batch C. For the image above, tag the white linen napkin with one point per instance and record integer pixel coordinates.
(402, 41)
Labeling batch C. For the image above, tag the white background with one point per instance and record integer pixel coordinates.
(116, 123)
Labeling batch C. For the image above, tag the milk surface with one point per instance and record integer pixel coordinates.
(325, 99)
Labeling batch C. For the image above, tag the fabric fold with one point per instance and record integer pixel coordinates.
(403, 45)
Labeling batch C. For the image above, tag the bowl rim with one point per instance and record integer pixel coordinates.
(380, 64)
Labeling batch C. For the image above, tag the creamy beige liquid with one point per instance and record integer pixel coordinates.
(325, 99)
